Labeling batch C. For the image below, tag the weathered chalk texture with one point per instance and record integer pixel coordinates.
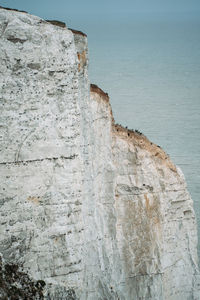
(89, 210)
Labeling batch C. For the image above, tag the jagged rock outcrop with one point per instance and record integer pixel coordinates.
(89, 209)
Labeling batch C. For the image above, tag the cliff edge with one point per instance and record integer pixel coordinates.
(89, 209)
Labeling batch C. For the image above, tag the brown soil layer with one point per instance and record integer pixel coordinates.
(57, 23)
(95, 89)
(13, 9)
(78, 32)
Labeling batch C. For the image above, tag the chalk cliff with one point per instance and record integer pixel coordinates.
(89, 210)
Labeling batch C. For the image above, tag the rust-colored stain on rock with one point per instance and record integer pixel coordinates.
(35, 200)
(82, 57)
(152, 209)
(146, 201)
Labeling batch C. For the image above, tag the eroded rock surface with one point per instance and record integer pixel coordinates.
(88, 208)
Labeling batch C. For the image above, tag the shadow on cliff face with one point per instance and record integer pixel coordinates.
(16, 285)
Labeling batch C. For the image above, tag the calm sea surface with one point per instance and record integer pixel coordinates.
(151, 70)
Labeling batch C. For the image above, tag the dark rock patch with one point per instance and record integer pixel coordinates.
(15, 40)
(17, 285)
(33, 66)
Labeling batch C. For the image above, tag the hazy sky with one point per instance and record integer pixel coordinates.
(66, 8)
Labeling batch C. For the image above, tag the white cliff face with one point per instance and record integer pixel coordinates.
(156, 223)
(150, 232)
(41, 167)
(91, 209)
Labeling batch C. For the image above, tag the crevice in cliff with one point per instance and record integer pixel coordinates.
(15, 40)
(66, 274)
(37, 160)
(148, 274)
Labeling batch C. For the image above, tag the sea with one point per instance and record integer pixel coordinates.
(150, 67)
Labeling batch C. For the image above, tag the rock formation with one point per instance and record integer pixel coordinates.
(89, 210)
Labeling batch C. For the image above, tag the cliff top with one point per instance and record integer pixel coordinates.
(53, 22)
(57, 23)
(95, 89)
(78, 32)
(140, 140)
(134, 136)
(13, 9)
